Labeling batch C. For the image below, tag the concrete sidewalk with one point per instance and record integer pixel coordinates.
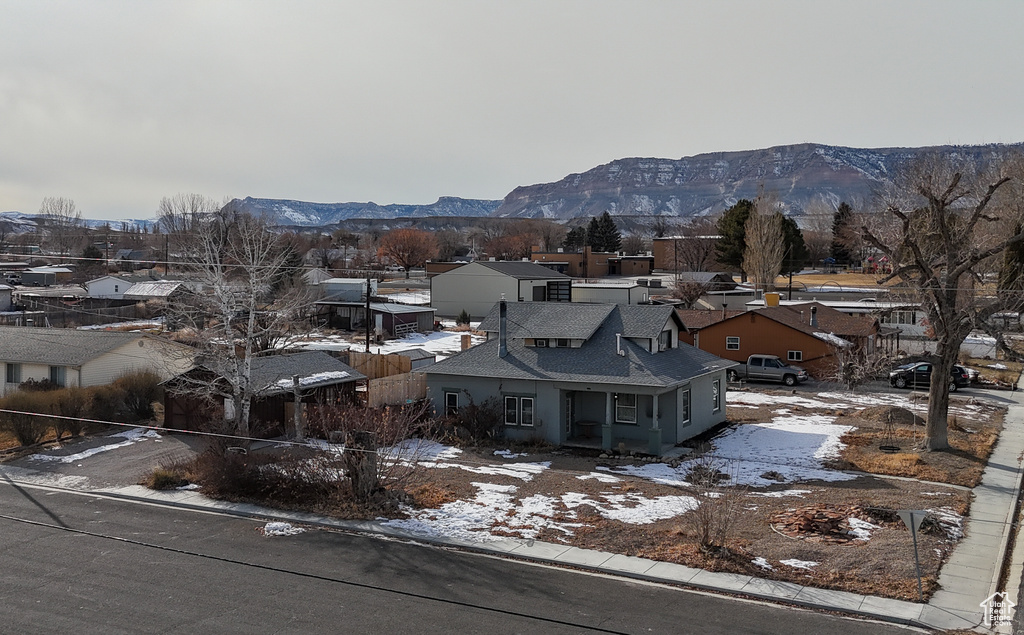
(969, 577)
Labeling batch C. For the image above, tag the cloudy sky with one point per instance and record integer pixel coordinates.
(117, 104)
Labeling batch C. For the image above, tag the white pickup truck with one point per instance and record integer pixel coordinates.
(768, 368)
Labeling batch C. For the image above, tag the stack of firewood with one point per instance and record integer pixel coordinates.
(827, 524)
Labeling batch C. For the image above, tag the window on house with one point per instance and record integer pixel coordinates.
(116, 288)
(684, 406)
(795, 356)
(665, 340)
(716, 395)
(526, 411)
(13, 373)
(519, 411)
(732, 343)
(562, 342)
(540, 343)
(625, 408)
(451, 403)
(511, 411)
(58, 376)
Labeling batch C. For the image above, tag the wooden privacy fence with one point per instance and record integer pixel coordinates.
(376, 366)
(396, 390)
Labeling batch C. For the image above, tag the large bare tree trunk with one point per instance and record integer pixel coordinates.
(936, 432)
(361, 464)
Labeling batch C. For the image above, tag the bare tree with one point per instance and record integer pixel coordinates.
(765, 242)
(449, 241)
(239, 311)
(694, 249)
(63, 222)
(182, 214)
(817, 228)
(408, 247)
(939, 210)
(689, 291)
(634, 244)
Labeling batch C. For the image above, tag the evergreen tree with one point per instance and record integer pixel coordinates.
(575, 238)
(796, 252)
(611, 237)
(841, 228)
(732, 235)
(594, 234)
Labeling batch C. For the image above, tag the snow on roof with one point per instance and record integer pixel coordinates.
(312, 380)
(832, 339)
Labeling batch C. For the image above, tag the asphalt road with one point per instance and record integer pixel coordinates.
(86, 564)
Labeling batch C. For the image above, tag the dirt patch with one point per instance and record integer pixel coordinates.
(972, 435)
(891, 414)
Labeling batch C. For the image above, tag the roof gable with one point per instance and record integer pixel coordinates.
(549, 319)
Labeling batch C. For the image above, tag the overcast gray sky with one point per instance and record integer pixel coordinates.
(117, 104)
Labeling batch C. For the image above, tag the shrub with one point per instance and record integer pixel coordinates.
(38, 385)
(108, 403)
(140, 390)
(73, 403)
(463, 317)
(26, 425)
(477, 421)
(164, 478)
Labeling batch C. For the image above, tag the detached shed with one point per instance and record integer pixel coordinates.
(389, 319)
(321, 378)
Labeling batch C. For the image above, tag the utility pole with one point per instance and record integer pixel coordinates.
(368, 312)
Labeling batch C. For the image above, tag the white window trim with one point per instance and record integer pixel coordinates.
(732, 343)
(794, 356)
(686, 415)
(522, 409)
(449, 410)
(514, 410)
(636, 400)
(716, 395)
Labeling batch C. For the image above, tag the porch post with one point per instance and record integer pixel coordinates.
(606, 427)
(654, 445)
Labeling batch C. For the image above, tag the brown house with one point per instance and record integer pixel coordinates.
(807, 335)
(592, 264)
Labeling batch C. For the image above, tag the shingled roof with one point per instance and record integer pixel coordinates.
(521, 270)
(596, 362)
(58, 347)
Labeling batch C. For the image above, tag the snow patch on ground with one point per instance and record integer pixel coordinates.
(764, 564)
(861, 529)
(598, 476)
(509, 454)
(634, 509)
(800, 564)
(950, 521)
(792, 446)
(278, 528)
(131, 436)
(799, 493)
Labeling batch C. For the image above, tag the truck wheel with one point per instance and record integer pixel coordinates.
(900, 382)
(733, 375)
(952, 386)
(789, 380)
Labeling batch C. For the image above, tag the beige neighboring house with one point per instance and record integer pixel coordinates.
(70, 357)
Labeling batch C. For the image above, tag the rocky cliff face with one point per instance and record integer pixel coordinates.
(304, 214)
(706, 184)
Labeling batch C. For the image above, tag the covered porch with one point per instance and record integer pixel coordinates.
(622, 418)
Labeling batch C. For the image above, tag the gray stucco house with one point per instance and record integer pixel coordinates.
(476, 286)
(570, 371)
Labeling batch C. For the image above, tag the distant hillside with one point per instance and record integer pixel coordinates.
(303, 214)
(709, 183)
